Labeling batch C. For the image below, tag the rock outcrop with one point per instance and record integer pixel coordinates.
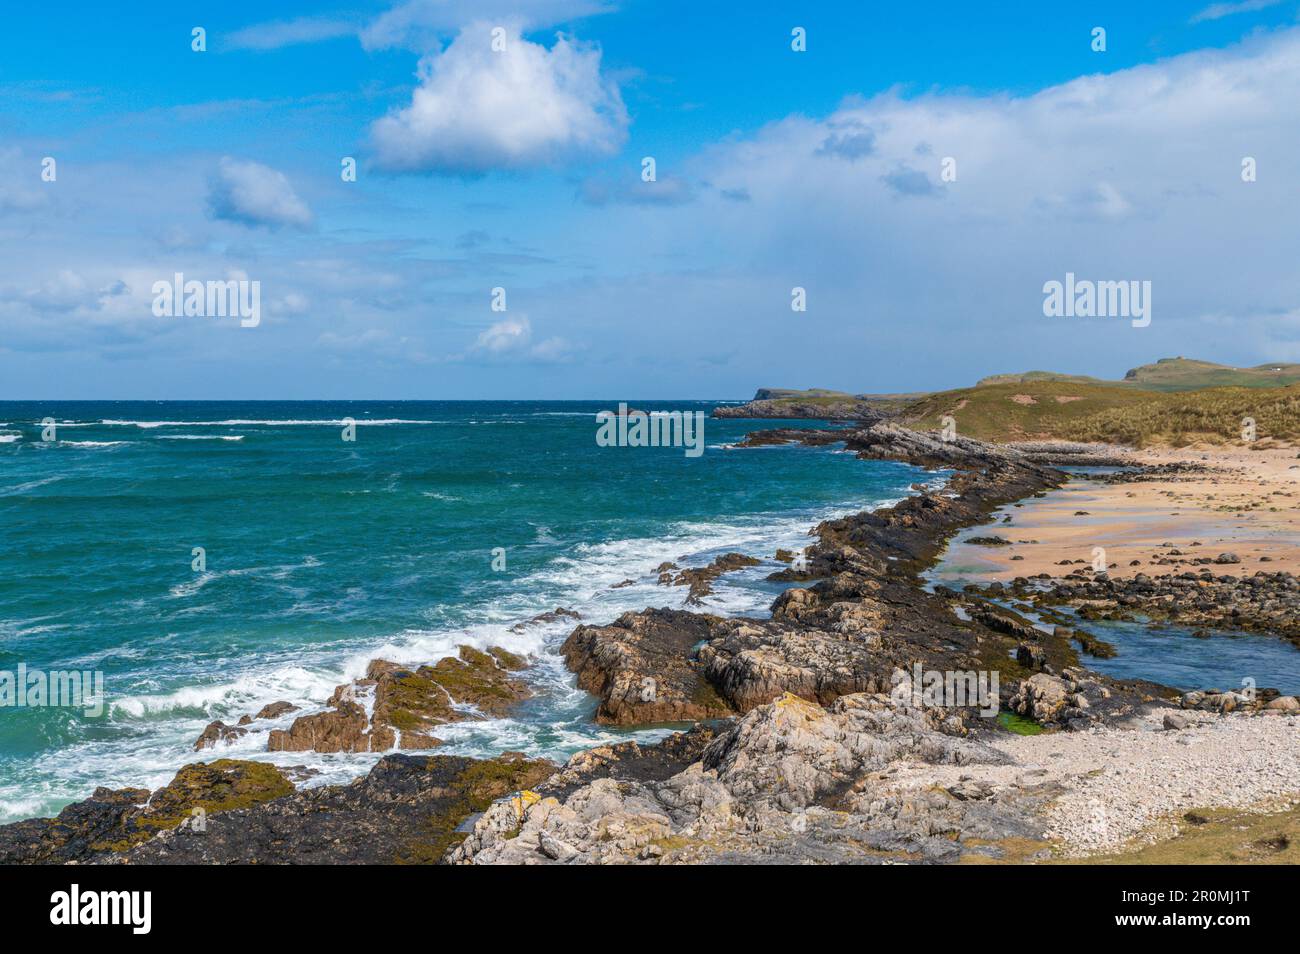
(396, 707)
(790, 782)
(701, 579)
(408, 809)
(644, 669)
(218, 733)
(114, 821)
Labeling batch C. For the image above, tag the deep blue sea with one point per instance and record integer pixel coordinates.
(322, 554)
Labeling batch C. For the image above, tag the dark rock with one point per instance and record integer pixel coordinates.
(111, 822)
(641, 667)
(218, 732)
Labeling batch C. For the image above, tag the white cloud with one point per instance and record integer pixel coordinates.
(417, 24)
(915, 281)
(506, 336)
(511, 338)
(253, 194)
(1217, 11)
(476, 109)
(20, 184)
(274, 36)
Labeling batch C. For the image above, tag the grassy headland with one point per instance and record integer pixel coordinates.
(1171, 402)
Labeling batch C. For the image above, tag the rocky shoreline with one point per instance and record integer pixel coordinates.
(810, 729)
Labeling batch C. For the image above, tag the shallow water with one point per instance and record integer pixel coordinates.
(1170, 655)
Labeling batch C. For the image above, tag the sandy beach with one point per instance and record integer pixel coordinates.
(1238, 501)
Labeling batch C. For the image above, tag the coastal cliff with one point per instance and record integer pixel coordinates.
(816, 404)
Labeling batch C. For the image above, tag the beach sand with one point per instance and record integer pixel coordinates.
(1247, 504)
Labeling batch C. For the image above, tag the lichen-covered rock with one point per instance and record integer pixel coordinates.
(397, 707)
(791, 781)
(110, 822)
(1066, 700)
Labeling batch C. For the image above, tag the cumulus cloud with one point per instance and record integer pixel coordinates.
(851, 142)
(253, 194)
(512, 338)
(510, 334)
(477, 109)
(907, 181)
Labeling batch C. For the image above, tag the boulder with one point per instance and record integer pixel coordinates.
(218, 732)
(643, 667)
(1040, 697)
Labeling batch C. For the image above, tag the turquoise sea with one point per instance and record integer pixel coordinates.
(322, 554)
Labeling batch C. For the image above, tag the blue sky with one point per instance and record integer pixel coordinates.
(521, 169)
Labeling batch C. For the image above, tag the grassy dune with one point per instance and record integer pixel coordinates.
(1213, 415)
(1020, 411)
(1112, 413)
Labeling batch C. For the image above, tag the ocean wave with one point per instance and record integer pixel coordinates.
(248, 422)
(581, 577)
(279, 572)
(245, 693)
(93, 443)
(29, 485)
(200, 437)
(10, 438)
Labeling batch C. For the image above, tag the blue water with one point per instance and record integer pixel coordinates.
(323, 554)
(1172, 655)
(1169, 654)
